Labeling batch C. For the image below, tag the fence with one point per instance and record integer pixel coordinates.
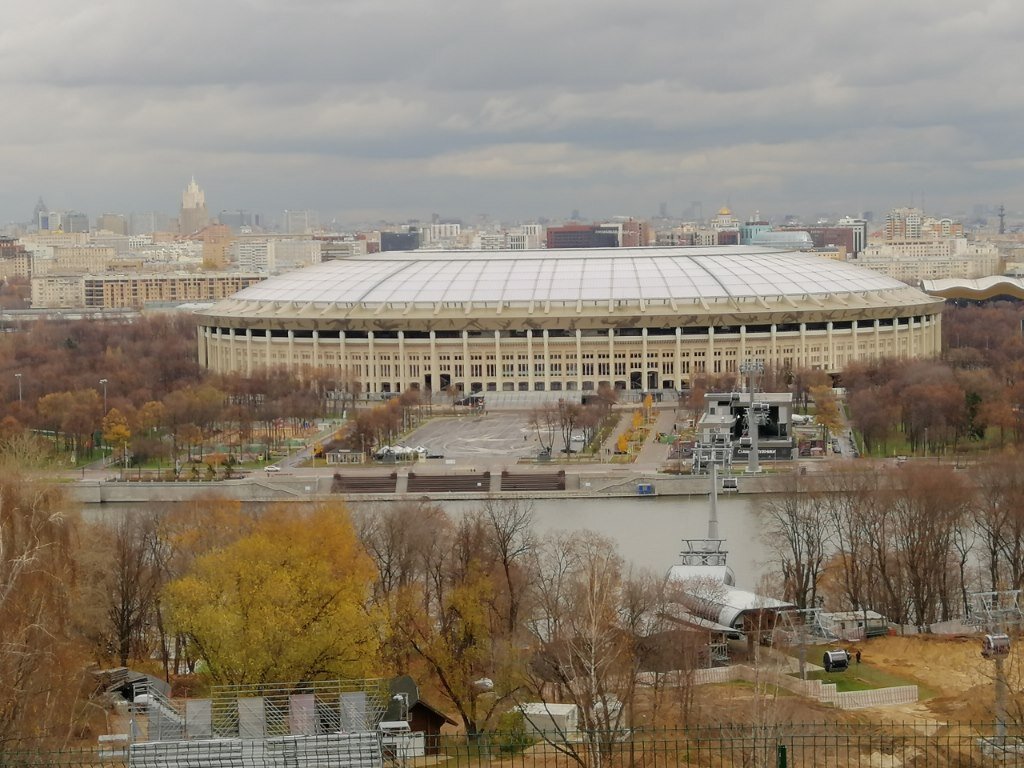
(842, 745)
(815, 689)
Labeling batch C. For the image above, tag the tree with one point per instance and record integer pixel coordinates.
(37, 569)
(447, 619)
(509, 527)
(826, 409)
(925, 513)
(798, 530)
(569, 414)
(119, 564)
(584, 641)
(116, 433)
(288, 602)
(544, 420)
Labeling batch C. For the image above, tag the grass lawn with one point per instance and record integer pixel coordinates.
(862, 677)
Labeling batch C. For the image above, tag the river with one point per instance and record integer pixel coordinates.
(649, 531)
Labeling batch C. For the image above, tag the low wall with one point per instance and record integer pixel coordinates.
(605, 482)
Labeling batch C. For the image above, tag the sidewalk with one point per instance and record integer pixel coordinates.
(654, 454)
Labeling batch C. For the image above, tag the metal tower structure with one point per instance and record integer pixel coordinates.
(801, 627)
(1000, 613)
(757, 413)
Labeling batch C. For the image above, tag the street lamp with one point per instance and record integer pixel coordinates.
(403, 700)
(18, 377)
(103, 382)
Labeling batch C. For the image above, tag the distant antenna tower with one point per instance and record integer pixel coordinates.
(1002, 219)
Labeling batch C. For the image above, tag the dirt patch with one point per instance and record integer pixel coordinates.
(961, 681)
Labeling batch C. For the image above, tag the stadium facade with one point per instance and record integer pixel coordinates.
(570, 320)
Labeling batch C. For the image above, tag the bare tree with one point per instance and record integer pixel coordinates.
(544, 420)
(569, 414)
(798, 530)
(509, 524)
(37, 695)
(585, 649)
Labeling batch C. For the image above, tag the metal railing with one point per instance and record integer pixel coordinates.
(843, 745)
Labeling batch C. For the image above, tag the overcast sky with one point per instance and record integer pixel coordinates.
(369, 109)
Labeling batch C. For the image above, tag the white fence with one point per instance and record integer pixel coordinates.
(815, 689)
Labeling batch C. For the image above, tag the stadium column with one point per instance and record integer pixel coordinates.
(579, 359)
(743, 344)
(401, 366)
(269, 348)
(876, 353)
(371, 365)
(529, 357)
(219, 346)
(646, 363)
(710, 368)
(203, 338)
(679, 358)
(830, 364)
(342, 359)
(315, 356)
(802, 360)
(611, 360)
(248, 351)
(856, 340)
(547, 362)
(466, 383)
(290, 362)
(774, 346)
(435, 371)
(499, 366)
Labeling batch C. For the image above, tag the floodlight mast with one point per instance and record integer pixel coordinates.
(1000, 612)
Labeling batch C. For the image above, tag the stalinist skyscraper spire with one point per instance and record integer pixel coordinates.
(193, 209)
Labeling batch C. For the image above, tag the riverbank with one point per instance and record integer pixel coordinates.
(594, 481)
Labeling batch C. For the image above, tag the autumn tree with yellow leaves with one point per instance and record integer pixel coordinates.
(288, 602)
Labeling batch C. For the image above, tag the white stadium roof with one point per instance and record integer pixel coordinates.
(584, 275)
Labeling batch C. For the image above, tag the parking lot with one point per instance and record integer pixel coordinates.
(498, 437)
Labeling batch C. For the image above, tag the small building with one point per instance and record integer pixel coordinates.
(344, 456)
(855, 625)
(405, 705)
(542, 717)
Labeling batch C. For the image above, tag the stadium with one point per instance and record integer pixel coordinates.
(566, 320)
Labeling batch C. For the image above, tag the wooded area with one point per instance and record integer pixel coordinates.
(477, 607)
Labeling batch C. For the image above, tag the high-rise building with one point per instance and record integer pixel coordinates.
(112, 222)
(581, 236)
(193, 215)
(301, 222)
(240, 219)
(860, 232)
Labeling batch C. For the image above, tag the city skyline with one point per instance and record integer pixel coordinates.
(366, 112)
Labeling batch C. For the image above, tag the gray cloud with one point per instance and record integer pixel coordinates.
(520, 109)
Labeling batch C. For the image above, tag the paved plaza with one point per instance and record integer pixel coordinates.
(498, 437)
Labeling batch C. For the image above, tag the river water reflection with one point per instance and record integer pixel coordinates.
(649, 531)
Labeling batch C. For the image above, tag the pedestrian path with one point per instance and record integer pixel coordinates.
(654, 454)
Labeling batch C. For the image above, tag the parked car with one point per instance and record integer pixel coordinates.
(272, 468)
